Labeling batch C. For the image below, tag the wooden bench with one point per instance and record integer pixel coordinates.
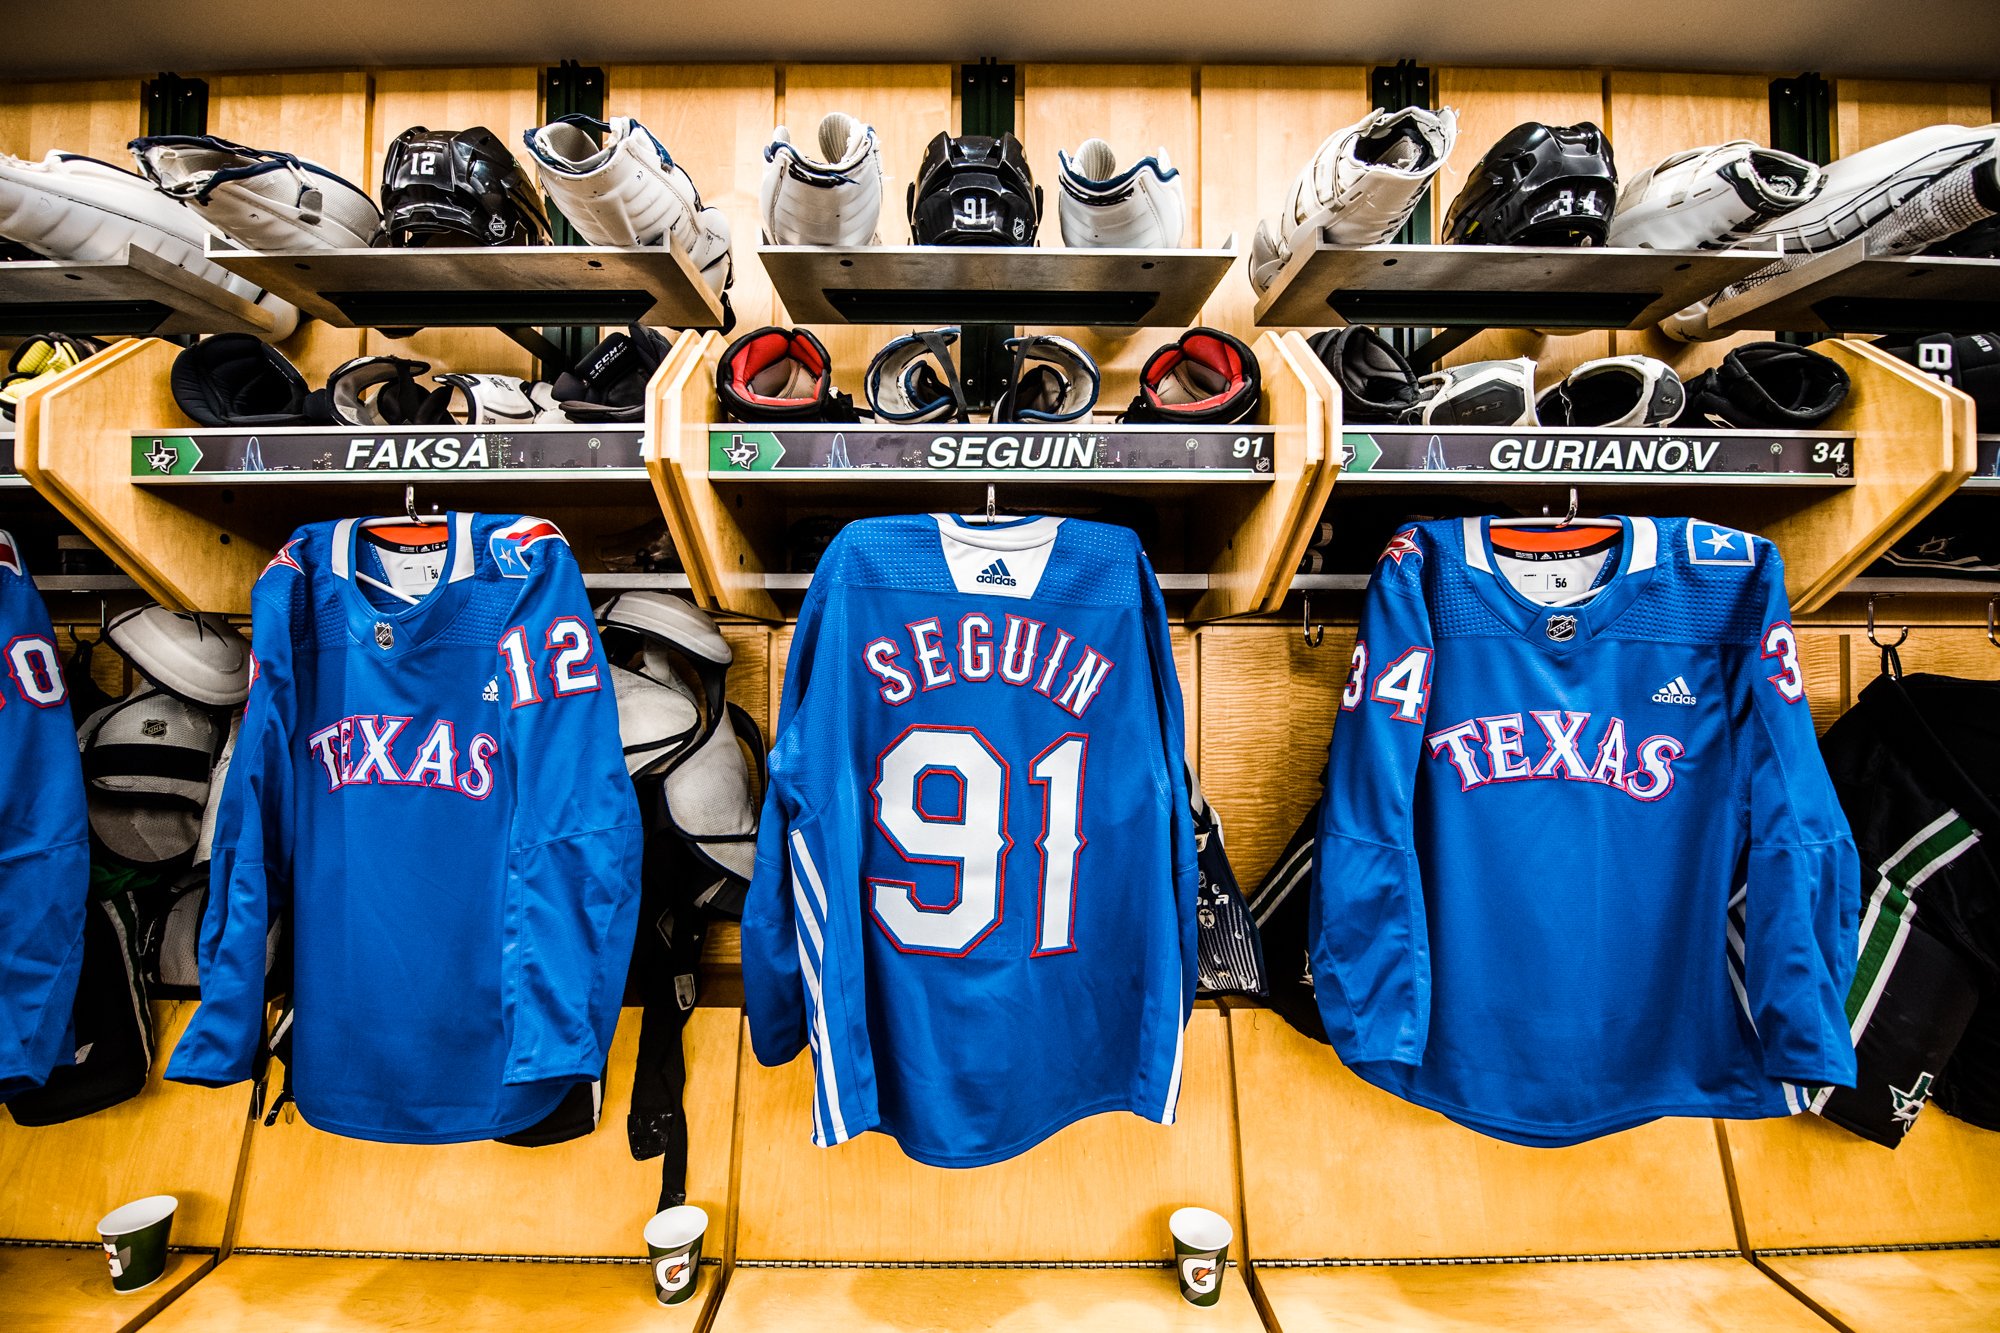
(1808, 1185)
(471, 1236)
(1366, 1212)
(926, 1248)
(58, 1180)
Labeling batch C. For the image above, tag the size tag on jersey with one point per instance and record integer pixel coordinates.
(1552, 577)
(411, 567)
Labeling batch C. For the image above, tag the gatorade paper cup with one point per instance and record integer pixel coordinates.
(1201, 1253)
(135, 1240)
(673, 1241)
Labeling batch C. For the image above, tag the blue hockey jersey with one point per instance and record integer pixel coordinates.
(437, 790)
(975, 886)
(1580, 864)
(44, 840)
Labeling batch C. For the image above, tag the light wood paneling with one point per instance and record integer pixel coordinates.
(1267, 704)
(1004, 1300)
(1136, 109)
(1629, 1296)
(324, 119)
(1407, 1183)
(1804, 1182)
(1259, 127)
(504, 100)
(1914, 447)
(1491, 102)
(74, 446)
(1871, 111)
(311, 1190)
(715, 120)
(69, 1290)
(1654, 115)
(749, 682)
(907, 105)
(1938, 1291)
(95, 117)
(173, 1138)
(1100, 1189)
(1825, 657)
(313, 1295)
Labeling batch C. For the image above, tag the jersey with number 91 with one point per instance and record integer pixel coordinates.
(975, 886)
(1580, 864)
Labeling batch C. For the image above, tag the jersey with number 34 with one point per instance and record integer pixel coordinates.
(975, 887)
(1580, 864)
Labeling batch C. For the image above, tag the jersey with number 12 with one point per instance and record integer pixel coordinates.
(975, 886)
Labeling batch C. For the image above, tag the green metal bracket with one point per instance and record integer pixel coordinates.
(1802, 124)
(174, 105)
(986, 98)
(569, 89)
(1391, 88)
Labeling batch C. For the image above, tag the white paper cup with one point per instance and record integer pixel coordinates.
(673, 1242)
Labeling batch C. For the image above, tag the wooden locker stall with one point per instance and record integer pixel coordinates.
(95, 117)
(336, 1233)
(60, 1179)
(504, 100)
(1489, 103)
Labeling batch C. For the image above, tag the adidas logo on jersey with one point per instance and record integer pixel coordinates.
(491, 694)
(997, 573)
(1675, 691)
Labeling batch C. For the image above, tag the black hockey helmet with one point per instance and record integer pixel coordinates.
(457, 187)
(1539, 185)
(974, 190)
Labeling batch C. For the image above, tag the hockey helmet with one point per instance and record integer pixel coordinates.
(147, 761)
(973, 189)
(1539, 185)
(457, 187)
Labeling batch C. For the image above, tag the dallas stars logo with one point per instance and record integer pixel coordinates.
(1906, 1102)
(162, 457)
(1402, 544)
(741, 452)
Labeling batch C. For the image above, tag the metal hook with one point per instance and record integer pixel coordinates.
(1311, 633)
(410, 502)
(103, 615)
(1906, 629)
(1570, 517)
(1993, 621)
(992, 506)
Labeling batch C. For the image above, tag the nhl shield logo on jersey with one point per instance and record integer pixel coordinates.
(1561, 629)
(510, 544)
(385, 635)
(1402, 544)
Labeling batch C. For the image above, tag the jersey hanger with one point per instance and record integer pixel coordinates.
(408, 518)
(1569, 520)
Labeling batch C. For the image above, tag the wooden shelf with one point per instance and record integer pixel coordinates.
(1259, 488)
(500, 286)
(1433, 456)
(140, 294)
(1495, 286)
(943, 284)
(1848, 291)
(296, 455)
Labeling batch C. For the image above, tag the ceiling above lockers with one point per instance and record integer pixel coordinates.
(1957, 38)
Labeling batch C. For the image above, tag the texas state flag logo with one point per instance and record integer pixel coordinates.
(510, 544)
